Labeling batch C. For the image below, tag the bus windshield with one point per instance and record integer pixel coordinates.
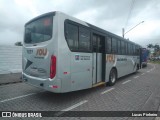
(39, 30)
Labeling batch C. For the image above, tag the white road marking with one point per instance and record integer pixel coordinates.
(16, 97)
(2, 101)
(107, 90)
(154, 67)
(136, 77)
(70, 108)
(126, 81)
(74, 106)
(142, 73)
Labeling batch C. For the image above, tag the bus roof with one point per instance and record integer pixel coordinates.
(40, 16)
(109, 33)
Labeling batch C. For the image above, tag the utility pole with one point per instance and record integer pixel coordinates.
(123, 32)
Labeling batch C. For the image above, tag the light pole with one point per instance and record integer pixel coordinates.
(123, 30)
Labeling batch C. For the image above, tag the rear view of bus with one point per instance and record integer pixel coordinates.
(63, 54)
(40, 52)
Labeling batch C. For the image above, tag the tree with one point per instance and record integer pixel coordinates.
(156, 47)
(18, 44)
(157, 50)
(150, 46)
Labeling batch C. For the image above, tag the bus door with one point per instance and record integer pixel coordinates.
(98, 50)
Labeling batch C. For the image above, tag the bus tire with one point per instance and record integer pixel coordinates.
(112, 77)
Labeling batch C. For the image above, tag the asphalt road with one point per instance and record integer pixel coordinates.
(136, 92)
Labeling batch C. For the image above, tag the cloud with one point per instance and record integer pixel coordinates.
(9, 37)
(110, 15)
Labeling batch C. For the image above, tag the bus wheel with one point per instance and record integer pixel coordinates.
(112, 77)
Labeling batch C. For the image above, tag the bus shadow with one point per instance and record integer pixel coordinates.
(63, 98)
(127, 76)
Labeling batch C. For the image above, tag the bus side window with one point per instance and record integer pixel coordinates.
(134, 50)
(108, 45)
(71, 34)
(94, 42)
(138, 50)
(129, 47)
(114, 45)
(122, 47)
(126, 48)
(119, 46)
(84, 39)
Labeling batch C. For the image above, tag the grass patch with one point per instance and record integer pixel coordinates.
(155, 62)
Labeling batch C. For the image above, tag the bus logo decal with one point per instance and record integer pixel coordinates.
(76, 57)
(41, 52)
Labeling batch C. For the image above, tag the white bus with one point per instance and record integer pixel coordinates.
(63, 54)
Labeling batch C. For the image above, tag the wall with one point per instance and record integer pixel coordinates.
(10, 59)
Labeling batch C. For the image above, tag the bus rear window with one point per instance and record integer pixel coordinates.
(39, 30)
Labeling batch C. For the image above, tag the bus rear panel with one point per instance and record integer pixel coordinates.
(40, 53)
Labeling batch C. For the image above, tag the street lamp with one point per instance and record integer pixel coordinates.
(123, 30)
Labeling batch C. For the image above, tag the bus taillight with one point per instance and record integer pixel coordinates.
(53, 67)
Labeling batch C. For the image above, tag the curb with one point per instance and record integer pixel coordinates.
(10, 78)
(10, 83)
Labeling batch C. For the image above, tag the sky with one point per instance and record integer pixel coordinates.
(110, 15)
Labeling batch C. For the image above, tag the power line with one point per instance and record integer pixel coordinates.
(130, 12)
(150, 39)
